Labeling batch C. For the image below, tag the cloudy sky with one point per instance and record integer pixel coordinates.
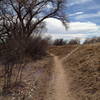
(84, 17)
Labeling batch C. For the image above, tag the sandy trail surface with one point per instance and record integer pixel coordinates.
(59, 85)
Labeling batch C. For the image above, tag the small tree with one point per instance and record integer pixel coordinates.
(37, 47)
(59, 42)
(20, 20)
(74, 41)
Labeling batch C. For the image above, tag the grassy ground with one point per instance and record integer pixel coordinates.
(35, 79)
(84, 72)
(61, 51)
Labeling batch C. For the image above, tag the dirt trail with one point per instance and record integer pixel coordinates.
(61, 85)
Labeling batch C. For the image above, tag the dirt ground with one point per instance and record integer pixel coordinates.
(60, 84)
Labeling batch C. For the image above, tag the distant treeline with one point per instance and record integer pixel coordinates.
(76, 41)
(58, 42)
(92, 40)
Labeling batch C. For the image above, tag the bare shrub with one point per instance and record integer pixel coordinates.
(15, 53)
(92, 40)
(74, 41)
(36, 47)
(12, 54)
(59, 42)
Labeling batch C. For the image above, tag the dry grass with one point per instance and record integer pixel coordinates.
(84, 72)
(62, 50)
(83, 68)
(35, 78)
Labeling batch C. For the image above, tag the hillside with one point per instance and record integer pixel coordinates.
(62, 50)
(83, 67)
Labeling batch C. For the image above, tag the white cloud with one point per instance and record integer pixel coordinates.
(74, 14)
(76, 29)
(84, 16)
(54, 26)
(74, 2)
(67, 36)
(82, 27)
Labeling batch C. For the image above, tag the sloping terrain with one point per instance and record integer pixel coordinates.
(83, 67)
(61, 51)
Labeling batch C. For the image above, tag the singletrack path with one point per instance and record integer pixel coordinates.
(59, 85)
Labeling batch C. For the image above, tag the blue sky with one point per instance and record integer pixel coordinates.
(84, 10)
(84, 17)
